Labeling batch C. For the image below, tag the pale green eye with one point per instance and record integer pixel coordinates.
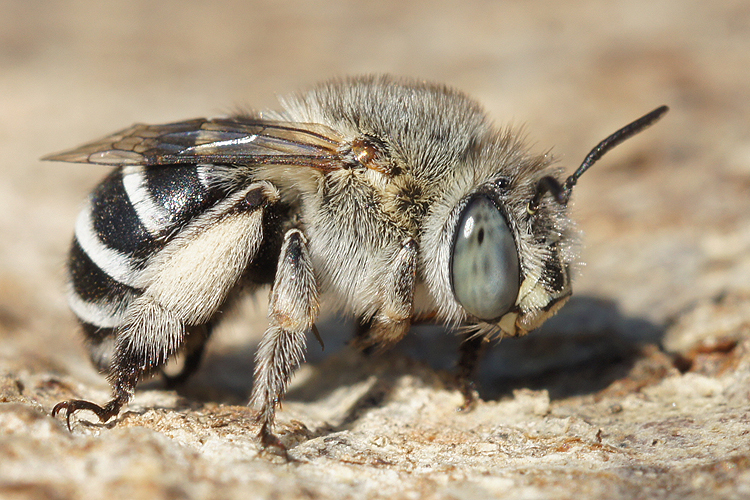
(484, 262)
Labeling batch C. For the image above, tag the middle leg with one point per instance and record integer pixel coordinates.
(292, 311)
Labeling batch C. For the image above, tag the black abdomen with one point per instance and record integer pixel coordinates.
(128, 219)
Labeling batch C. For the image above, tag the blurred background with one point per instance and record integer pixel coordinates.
(665, 252)
(665, 217)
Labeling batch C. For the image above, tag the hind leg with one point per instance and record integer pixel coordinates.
(195, 346)
(100, 343)
(191, 279)
(151, 335)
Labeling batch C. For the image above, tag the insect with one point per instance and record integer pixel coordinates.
(394, 201)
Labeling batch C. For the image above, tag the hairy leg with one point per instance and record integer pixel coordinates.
(190, 279)
(292, 312)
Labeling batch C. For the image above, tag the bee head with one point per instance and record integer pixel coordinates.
(510, 270)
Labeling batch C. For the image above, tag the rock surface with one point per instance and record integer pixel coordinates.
(639, 388)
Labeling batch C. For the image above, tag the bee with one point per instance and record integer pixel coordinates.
(394, 201)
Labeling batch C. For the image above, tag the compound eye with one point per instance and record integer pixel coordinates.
(484, 261)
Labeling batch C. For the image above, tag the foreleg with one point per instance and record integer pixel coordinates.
(393, 320)
(471, 351)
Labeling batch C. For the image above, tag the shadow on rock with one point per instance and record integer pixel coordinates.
(583, 349)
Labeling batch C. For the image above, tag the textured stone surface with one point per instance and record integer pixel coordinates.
(638, 388)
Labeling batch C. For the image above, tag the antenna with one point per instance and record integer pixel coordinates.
(561, 193)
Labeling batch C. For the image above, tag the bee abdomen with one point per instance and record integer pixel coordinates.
(128, 219)
(95, 296)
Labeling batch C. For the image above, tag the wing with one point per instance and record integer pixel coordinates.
(238, 140)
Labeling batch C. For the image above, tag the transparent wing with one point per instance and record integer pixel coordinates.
(237, 140)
